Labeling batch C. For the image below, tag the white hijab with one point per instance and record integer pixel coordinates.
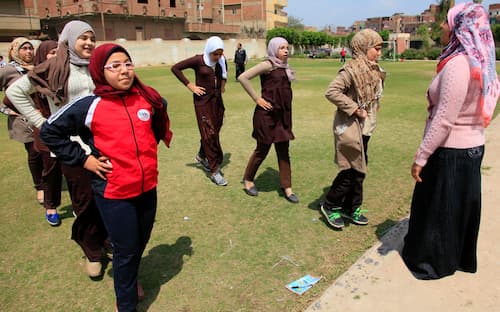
(213, 44)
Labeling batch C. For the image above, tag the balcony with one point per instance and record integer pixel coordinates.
(19, 22)
(211, 28)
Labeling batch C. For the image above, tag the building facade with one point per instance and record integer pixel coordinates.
(494, 12)
(146, 19)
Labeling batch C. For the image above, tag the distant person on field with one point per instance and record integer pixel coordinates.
(342, 55)
(446, 204)
(355, 91)
(240, 60)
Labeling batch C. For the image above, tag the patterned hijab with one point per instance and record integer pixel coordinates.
(366, 74)
(14, 57)
(272, 55)
(471, 35)
(213, 44)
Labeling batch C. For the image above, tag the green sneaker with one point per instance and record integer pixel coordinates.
(332, 215)
(356, 216)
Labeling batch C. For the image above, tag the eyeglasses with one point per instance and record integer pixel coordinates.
(116, 67)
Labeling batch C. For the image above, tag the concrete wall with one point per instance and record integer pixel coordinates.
(168, 52)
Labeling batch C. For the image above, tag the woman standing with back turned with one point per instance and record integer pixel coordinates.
(446, 203)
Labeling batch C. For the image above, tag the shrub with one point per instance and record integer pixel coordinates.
(433, 53)
(413, 54)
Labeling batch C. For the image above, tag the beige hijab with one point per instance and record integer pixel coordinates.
(366, 74)
(14, 53)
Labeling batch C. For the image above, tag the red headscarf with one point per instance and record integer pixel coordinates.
(161, 122)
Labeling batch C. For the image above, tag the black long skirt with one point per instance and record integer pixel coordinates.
(445, 215)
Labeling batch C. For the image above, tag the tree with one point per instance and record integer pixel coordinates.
(495, 29)
(444, 6)
(295, 23)
(423, 33)
(290, 35)
(385, 34)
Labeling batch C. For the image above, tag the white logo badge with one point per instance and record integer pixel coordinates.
(143, 114)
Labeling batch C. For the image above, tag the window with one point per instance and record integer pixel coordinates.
(142, 1)
(172, 3)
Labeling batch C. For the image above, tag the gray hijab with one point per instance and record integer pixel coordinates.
(69, 35)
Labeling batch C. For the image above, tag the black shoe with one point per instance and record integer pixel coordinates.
(292, 198)
(252, 191)
(332, 216)
(355, 216)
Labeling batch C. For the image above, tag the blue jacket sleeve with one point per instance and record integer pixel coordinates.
(68, 121)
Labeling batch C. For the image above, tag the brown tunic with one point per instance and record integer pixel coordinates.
(205, 76)
(274, 125)
(209, 107)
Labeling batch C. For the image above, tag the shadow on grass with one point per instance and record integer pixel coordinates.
(160, 265)
(315, 204)
(226, 159)
(65, 212)
(268, 181)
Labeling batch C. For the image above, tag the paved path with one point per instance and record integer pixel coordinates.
(379, 280)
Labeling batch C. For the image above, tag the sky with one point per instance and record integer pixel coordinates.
(321, 13)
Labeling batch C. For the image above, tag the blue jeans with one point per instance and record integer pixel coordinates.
(129, 223)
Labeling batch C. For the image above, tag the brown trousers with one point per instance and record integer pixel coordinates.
(210, 117)
(88, 230)
(52, 179)
(260, 154)
(35, 164)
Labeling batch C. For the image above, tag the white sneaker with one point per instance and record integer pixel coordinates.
(203, 162)
(218, 179)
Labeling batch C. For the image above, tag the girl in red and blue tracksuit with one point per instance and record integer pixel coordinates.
(122, 122)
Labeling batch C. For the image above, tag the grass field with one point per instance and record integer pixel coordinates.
(235, 252)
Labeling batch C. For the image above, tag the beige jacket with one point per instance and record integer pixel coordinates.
(347, 128)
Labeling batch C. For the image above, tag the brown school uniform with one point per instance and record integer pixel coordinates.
(209, 107)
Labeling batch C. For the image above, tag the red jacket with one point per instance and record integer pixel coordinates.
(119, 128)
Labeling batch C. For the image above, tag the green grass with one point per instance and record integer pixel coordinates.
(235, 253)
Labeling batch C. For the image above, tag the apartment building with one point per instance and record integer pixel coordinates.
(494, 12)
(145, 19)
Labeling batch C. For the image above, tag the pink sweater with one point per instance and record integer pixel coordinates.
(454, 114)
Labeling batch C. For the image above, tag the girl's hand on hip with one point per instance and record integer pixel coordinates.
(196, 90)
(415, 172)
(264, 104)
(100, 166)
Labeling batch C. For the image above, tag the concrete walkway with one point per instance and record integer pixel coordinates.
(379, 280)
